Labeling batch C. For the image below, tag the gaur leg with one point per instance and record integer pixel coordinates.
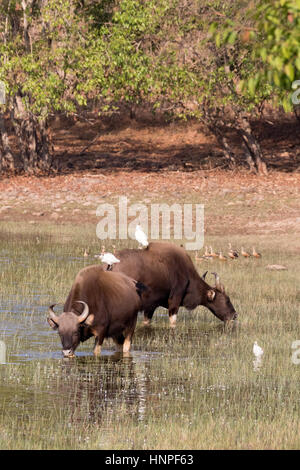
(119, 341)
(176, 295)
(148, 314)
(173, 306)
(173, 316)
(128, 333)
(98, 343)
(127, 342)
(97, 348)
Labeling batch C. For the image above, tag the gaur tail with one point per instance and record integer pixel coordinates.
(140, 287)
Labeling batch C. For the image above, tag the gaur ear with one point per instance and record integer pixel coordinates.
(211, 295)
(221, 288)
(89, 321)
(52, 323)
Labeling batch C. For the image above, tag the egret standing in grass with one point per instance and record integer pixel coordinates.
(257, 350)
(258, 353)
(140, 236)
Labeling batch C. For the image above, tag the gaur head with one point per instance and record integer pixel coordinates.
(68, 326)
(218, 302)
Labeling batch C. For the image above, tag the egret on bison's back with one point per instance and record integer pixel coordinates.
(109, 258)
(140, 236)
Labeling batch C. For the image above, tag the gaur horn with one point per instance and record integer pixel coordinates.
(85, 312)
(52, 314)
(217, 279)
(219, 286)
(204, 275)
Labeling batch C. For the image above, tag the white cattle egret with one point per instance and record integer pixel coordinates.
(109, 258)
(257, 350)
(140, 236)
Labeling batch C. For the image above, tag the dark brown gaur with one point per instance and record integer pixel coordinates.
(172, 281)
(110, 301)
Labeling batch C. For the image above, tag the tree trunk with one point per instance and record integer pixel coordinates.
(44, 146)
(26, 6)
(254, 153)
(33, 139)
(6, 156)
(217, 130)
(223, 142)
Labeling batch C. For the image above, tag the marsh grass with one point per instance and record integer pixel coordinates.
(189, 388)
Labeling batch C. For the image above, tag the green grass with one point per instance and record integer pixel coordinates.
(191, 388)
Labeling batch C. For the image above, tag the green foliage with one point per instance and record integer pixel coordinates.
(270, 45)
(50, 73)
(158, 52)
(185, 59)
(278, 22)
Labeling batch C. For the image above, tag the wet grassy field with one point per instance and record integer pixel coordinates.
(189, 388)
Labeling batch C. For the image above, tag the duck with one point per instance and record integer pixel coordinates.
(222, 257)
(213, 254)
(101, 253)
(207, 254)
(245, 253)
(255, 254)
(198, 258)
(233, 254)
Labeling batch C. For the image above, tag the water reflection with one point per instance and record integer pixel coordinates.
(90, 388)
(86, 389)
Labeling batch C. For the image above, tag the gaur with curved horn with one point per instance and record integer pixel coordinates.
(172, 281)
(110, 307)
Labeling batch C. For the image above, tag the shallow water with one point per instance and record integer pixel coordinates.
(191, 374)
(85, 386)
